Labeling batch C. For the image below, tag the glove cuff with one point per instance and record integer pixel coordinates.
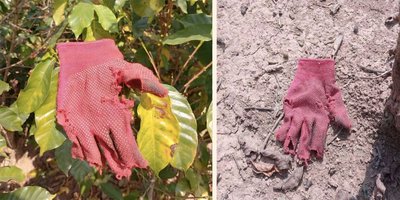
(76, 56)
(324, 68)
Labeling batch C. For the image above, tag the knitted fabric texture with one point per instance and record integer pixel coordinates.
(311, 103)
(95, 118)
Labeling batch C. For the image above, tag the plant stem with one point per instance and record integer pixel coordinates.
(15, 20)
(150, 58)
(187, 62)
(8, 140)
(150, 194)
(186, 86)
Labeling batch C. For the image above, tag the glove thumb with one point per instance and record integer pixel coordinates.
(337, 108)
(139, 77)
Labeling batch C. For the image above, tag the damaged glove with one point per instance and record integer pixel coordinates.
(95, 118)
(311, 103)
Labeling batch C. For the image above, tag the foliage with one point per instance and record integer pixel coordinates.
(170, 37)
(11, 173)
(152, 139)
(28, 192)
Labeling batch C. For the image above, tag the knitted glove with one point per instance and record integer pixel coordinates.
(95, 118)
(311, 103)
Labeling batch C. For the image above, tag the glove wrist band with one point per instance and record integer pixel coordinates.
(83, 54)
(324, 68)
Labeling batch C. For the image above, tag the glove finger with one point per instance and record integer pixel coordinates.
(292, 136)
(318, 136)
(127, 149)
(281, 133)
(337, 109)
(119, 170)
(112, 157)
(107, 143)
(139, 77)
(89, 146)
(102, 136)
(76, 150)
(303, 151)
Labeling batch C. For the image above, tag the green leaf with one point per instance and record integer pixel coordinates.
(4, 87)
(11, 173)
(81, 17)
(210, 120)
(182, 4)
(133, 195)
(58, 13)
(107, 18)
(37, 89)
(96, 32)
(159, 130)
(28, 192)
(139, 26)
(63, 157)
(200, 32)
(47, 135)
(53, 39)
(22, 116)
(78, 168)
(4, 6)
(111, 191)
(89, 35)
(119, 4)
(195, 19)
(168, 172)
(185, 151)
(147, 8)
(182, 188)
(193, 178)
(9, 119)
(202, 193)
(196, 27)
(3, 144)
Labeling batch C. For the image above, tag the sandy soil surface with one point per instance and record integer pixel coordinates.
(258, 45)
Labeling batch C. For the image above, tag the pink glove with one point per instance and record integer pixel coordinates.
(312, 101)
(88, 107)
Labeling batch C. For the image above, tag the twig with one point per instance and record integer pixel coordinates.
(239, 170)
(178, 197)
(40, 49)
(15, 65)
(368, 70)
(12, 45)
(186, 86)
(150, 58)
(337, 44)
(259, 108)
(149, 190)
(150, 194)
(348, 83)
(187, 62)
(272, 130)
(337, 135)
(383, 74)
(8, 140)
(20, 28)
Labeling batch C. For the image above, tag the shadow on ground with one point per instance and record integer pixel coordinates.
(385, 160)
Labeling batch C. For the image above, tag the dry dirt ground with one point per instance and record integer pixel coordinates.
(258, 45)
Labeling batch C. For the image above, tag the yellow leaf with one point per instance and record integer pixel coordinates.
(159, 131)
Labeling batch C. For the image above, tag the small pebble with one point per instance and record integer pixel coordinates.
(355, 29)
(307, 183)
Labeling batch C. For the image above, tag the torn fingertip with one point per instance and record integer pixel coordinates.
(304, 159)
(127, 102)
(124, 173)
